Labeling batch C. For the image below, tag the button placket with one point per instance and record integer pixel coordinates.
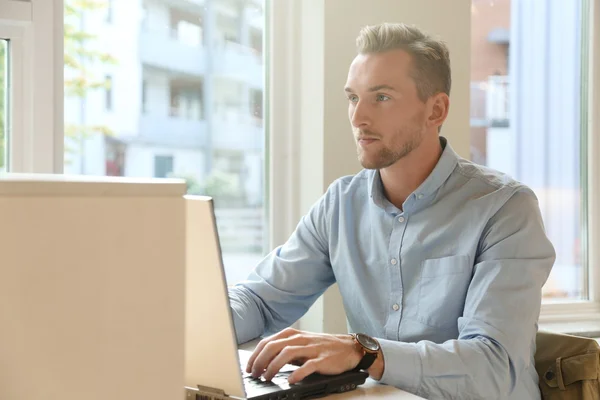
(399, 226)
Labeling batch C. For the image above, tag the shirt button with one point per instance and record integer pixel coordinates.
(420, 196)
(393, 261)
(401, 219)
(396, 307)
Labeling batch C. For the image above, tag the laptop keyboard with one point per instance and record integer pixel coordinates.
(260, 387)
(279, 381)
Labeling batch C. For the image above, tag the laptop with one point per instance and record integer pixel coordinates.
(215, 367)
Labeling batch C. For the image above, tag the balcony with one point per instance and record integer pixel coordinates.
(172, 132)
(490, 102)
(497, 100)
(235, 61)
(162, 50)
(187, 5)
(242, 132)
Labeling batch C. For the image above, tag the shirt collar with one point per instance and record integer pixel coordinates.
(434, 181)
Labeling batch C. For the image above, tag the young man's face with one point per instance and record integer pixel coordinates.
(388, 118)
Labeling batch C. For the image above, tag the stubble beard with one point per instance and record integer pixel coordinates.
(386, 156)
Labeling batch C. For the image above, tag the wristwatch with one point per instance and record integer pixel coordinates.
(370, 348)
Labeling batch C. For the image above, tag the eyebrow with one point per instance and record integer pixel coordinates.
(372, 88)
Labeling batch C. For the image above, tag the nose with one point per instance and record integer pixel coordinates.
(359, 115)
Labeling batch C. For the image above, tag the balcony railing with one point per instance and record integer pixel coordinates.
(490, 101)
(497, 105)
(239, 133)
(163, 48)
(170, 131)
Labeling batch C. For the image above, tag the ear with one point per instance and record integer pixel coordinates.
(440, 105)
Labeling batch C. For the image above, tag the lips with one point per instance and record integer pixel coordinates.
(364, 141)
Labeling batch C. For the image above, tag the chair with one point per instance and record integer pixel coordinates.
(568, 366)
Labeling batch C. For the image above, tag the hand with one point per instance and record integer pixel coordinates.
(322, 353)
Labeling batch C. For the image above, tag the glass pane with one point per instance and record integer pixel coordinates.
(181, 95)
(525, 116)
(3, 105)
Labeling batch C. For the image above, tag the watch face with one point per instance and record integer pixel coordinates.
(367, 342)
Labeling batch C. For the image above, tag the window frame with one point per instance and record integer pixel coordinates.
(15, 28)
(283, 105)
(587, 310)
(37, 96)
(13, 95)
(36, 84)
(593, 216)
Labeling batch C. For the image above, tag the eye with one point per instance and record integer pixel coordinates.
(353, 98)
(382, 97)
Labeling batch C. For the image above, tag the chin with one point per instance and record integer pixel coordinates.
(369, 164)
(379, 163)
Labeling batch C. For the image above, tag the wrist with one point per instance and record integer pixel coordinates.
(368, 347)
(376, 370)
(355, 350)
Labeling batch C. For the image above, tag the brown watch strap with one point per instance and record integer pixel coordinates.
(367, 360)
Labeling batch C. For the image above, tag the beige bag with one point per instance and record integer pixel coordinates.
(568, 367)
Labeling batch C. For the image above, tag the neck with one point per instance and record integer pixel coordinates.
(403, 177)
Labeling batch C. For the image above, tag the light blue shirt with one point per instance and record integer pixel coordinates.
(450, 285)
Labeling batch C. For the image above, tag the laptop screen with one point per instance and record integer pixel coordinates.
(210, 344)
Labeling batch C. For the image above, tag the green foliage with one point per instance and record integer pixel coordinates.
(79, 56)
(223, 187)
(193, 186)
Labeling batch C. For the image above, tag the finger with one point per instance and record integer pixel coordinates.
(309, 367)
(286, 356)
(271, 350)
(256, 352)
(283, 334)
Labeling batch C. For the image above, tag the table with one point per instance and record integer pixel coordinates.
(373, 390)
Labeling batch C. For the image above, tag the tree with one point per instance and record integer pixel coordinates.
(222, 186)
(79, 57)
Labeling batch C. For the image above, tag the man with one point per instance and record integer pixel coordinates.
(440, 262)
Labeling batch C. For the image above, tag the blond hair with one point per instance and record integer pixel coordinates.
(430, 56)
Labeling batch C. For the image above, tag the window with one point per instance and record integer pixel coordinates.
(115, 158)
(163, 166)
(144, 96)
(256, 104)
(257, 40)
(188, 108)
(186, 98)
(109, 93)
(526, 117)
(109, 11)
(3, 105)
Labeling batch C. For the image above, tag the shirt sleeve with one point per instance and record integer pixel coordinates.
(286, 282)
(499, 322)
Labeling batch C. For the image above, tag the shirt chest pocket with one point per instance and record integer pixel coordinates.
(443, 288)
